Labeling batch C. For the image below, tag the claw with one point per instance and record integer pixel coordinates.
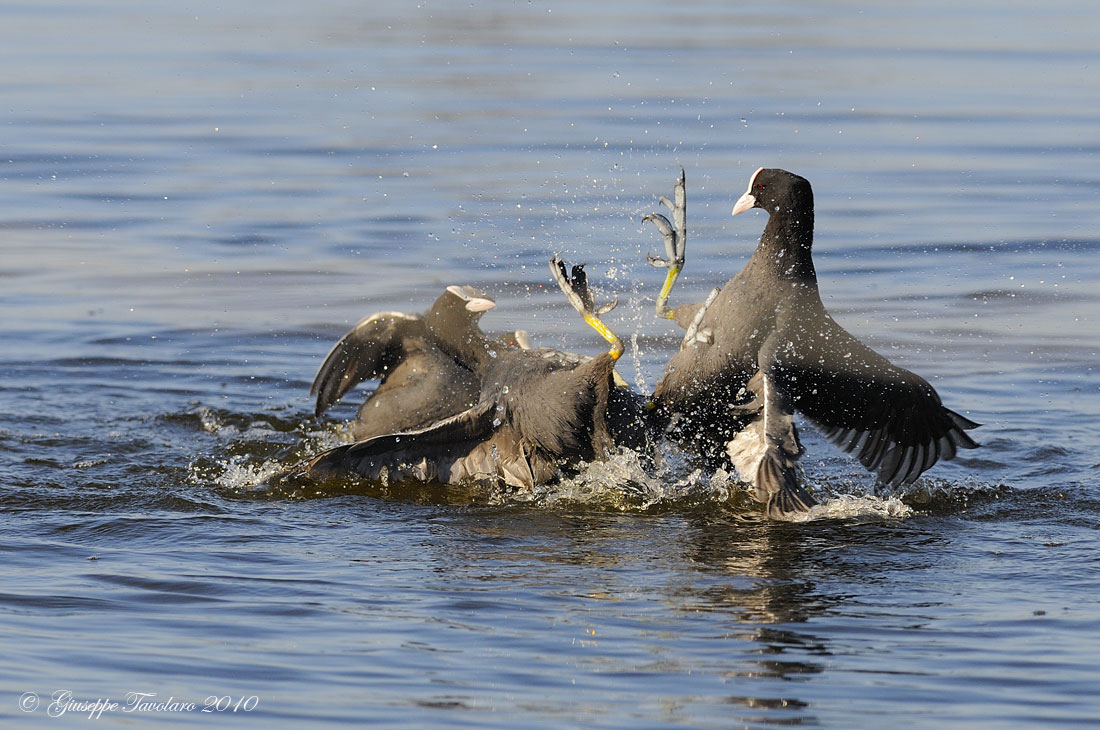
(608, 307)
(675, 234)
(693, 333)
(666, 229)
(574, 285)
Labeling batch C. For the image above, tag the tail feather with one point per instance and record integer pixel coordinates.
(777, 486)
(765, 453)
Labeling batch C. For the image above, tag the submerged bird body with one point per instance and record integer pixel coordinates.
(766, 347)
(537, 413)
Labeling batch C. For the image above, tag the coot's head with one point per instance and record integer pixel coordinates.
(468, 297)
(453, 319)
(457, 310)
(776, 191)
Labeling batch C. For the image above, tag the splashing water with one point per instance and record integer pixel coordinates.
(626, 481)
(621, 482)
(849, 506)
(636, 358)
(237, 474)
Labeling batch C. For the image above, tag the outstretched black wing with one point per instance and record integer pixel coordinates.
(438, 444)
(365, 352)
(891, 419)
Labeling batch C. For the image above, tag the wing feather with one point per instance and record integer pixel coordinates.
(891, 419)
(362, 354)
(434, 447)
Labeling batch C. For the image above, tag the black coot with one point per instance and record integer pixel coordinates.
(537, 412)
(764, 347)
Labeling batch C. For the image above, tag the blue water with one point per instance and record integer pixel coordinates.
(197, 200)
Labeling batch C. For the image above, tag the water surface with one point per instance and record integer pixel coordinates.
(197, 200)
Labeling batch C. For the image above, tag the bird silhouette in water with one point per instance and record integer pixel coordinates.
(764, 347)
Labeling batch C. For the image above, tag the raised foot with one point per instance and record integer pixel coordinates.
(574, 285)
(675, 234)
(694, 332)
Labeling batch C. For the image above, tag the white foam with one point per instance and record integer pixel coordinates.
(849, 506)
(625, 481)
(242, 476)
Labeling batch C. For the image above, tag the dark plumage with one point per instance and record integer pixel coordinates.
(423, 363)
(764, 347)
(537, 411)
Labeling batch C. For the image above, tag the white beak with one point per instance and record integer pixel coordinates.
(474, 303)
(748, 200)
(477, 304)
(745, 202)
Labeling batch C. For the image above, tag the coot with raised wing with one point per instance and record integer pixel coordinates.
(424, 363)
(538, 411)
(763, 347)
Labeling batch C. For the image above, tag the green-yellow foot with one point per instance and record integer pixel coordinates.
(575, 287)
(675, 233)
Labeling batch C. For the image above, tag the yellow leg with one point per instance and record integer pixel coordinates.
(675, 235)
(597, 324)
(662, 299)
(575, 288)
